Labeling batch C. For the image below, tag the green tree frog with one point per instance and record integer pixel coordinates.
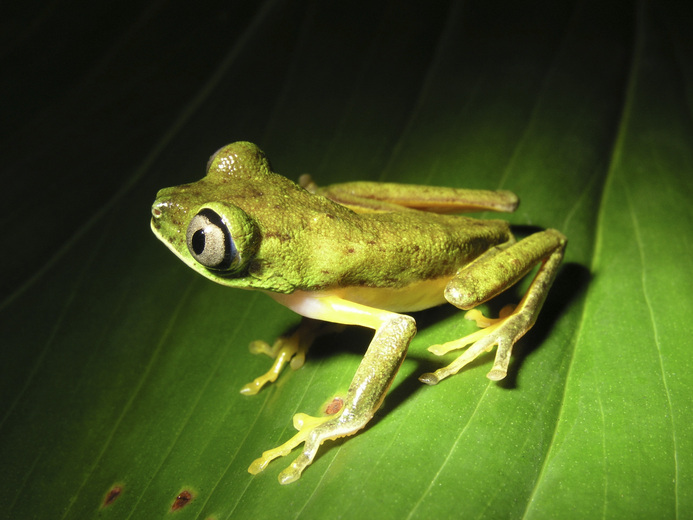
(358, 253)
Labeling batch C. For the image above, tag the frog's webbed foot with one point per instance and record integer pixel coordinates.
(291, 349)
(488, 276)
(312, 431)
(503, 331)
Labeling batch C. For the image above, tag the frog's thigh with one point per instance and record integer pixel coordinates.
(368, 387)
(486, 278)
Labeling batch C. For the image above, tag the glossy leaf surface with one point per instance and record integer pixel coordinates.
(121, 367)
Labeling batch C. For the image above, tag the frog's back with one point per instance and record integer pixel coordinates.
(397, 249)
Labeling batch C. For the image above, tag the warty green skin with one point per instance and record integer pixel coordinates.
(292, 240)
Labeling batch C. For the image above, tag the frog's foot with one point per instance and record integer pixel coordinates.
(312, 431)
(291, 350)
(482, 321)
(503, 332)
(285, 350)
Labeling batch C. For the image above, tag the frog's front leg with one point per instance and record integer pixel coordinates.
(367, 390)
(290, 350)
(489, 276)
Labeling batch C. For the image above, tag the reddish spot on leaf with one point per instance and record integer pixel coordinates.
(112, 495)
(182, 500)
(334, 406)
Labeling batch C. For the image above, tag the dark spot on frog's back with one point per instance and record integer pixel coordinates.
(247, 193)
(282, 237)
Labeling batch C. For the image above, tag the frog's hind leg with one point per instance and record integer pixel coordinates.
(291, 349)
(484, 279)
(366, 391)
(366, 197)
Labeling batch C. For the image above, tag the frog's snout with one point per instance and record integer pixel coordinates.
(158, 210)
(159, 207)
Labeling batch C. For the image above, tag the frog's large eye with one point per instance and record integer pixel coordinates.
(210, 242)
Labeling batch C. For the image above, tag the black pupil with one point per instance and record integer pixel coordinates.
(198, 241)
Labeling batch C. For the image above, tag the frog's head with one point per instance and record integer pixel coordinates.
(210, 234)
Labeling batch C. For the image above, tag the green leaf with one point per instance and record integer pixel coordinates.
(121, 367)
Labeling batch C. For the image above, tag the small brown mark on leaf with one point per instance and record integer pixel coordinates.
(334, 406)
(112, 495)
(182, 500)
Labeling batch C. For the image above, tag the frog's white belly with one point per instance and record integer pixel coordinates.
(415, 297)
